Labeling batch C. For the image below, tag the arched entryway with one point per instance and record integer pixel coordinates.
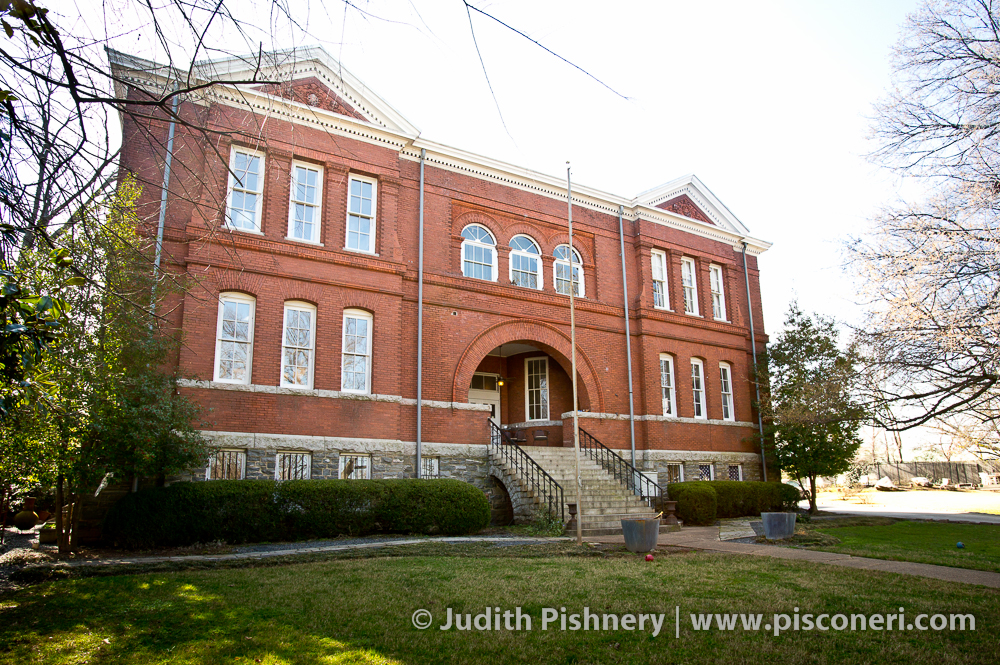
(522, 369)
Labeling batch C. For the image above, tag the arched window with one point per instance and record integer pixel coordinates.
(525, 263)
(356, 352)
(298, 341)
(561, 271)
(479, 254)
(234, 338)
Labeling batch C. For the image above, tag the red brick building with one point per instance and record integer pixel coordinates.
(297, 218)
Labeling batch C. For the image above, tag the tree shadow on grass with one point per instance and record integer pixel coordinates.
(159, 619)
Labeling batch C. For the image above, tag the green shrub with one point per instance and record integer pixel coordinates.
(732, 498)
(246, 511)
(696, 502)
(746, 498)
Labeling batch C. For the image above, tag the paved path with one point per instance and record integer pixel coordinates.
(292, 550)
(840, 508)
(706, 538)
(698, 538)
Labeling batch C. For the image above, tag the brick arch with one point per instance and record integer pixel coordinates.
(483, 220)
(249, 283)
(581, 244)
(520, 228)
(549, 339)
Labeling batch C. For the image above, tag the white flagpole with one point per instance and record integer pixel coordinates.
(572, 332)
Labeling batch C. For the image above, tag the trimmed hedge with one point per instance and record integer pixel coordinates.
(246, 511)
(696, 502)
(730, 498)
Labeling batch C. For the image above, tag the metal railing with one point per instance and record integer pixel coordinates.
(527, 470)
(625, 473)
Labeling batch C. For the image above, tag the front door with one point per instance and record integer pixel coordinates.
(494, 403)
(485, 389)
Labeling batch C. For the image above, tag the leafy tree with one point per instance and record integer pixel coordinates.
(811, 403)
(120, 415)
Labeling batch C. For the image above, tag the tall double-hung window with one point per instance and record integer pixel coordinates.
(536, 396)
(661, 297)
(690, 282)
(698, 387)
(246, 189)
(479, 253)
(667, 384)
(361, 214)
(525, 263)
(718, 295)
(234, 338)
(298, 344)
(357, 352)
(304, 207)
(726, 388)
(561, 268)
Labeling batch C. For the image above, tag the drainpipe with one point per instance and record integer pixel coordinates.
(166, 183)
(753, 347)
(420, 315)
(163, 216)
(628, 336)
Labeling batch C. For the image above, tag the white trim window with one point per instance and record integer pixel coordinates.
(736, 472)
(561, 272)
(698, 387)
(361, 199)
(661, 297)
(536, 394)
(305, 204)
(430, 467)
(706, 471)
(726, 388)
(246, 189)
(226, 465)
(355, 467)
(675, 473)
(525, 263)
(718, 295)
(667, 384)
(234, 338)
(690, 281)
(298, 342)
(357, 352)
(479, 253)
(292, 465)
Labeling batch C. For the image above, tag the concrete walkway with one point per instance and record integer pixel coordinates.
(698, 538)
(290, 551)
(706, 538)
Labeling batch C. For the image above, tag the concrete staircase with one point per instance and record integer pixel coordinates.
(605, 500)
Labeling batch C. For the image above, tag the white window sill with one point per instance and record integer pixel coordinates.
(360, 251)
(289, 386)
(304, 242)
(232, 383)
(694, 314)
(356, 392)
(237, 229)
(491, 281)
(663, 309)
(722, 320)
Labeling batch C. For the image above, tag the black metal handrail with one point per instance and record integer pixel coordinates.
(548, 491)
(623, 472)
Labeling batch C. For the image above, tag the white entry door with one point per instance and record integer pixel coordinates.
(485, 389)
(492, 400)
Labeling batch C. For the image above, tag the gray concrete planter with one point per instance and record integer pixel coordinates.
(641, 534)
(778, 526)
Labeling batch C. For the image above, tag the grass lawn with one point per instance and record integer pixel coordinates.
(901, 540)
(357, 609)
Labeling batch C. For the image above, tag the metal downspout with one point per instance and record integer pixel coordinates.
(163, 196)
(628, 336)
(420, 318)
(753, 347)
